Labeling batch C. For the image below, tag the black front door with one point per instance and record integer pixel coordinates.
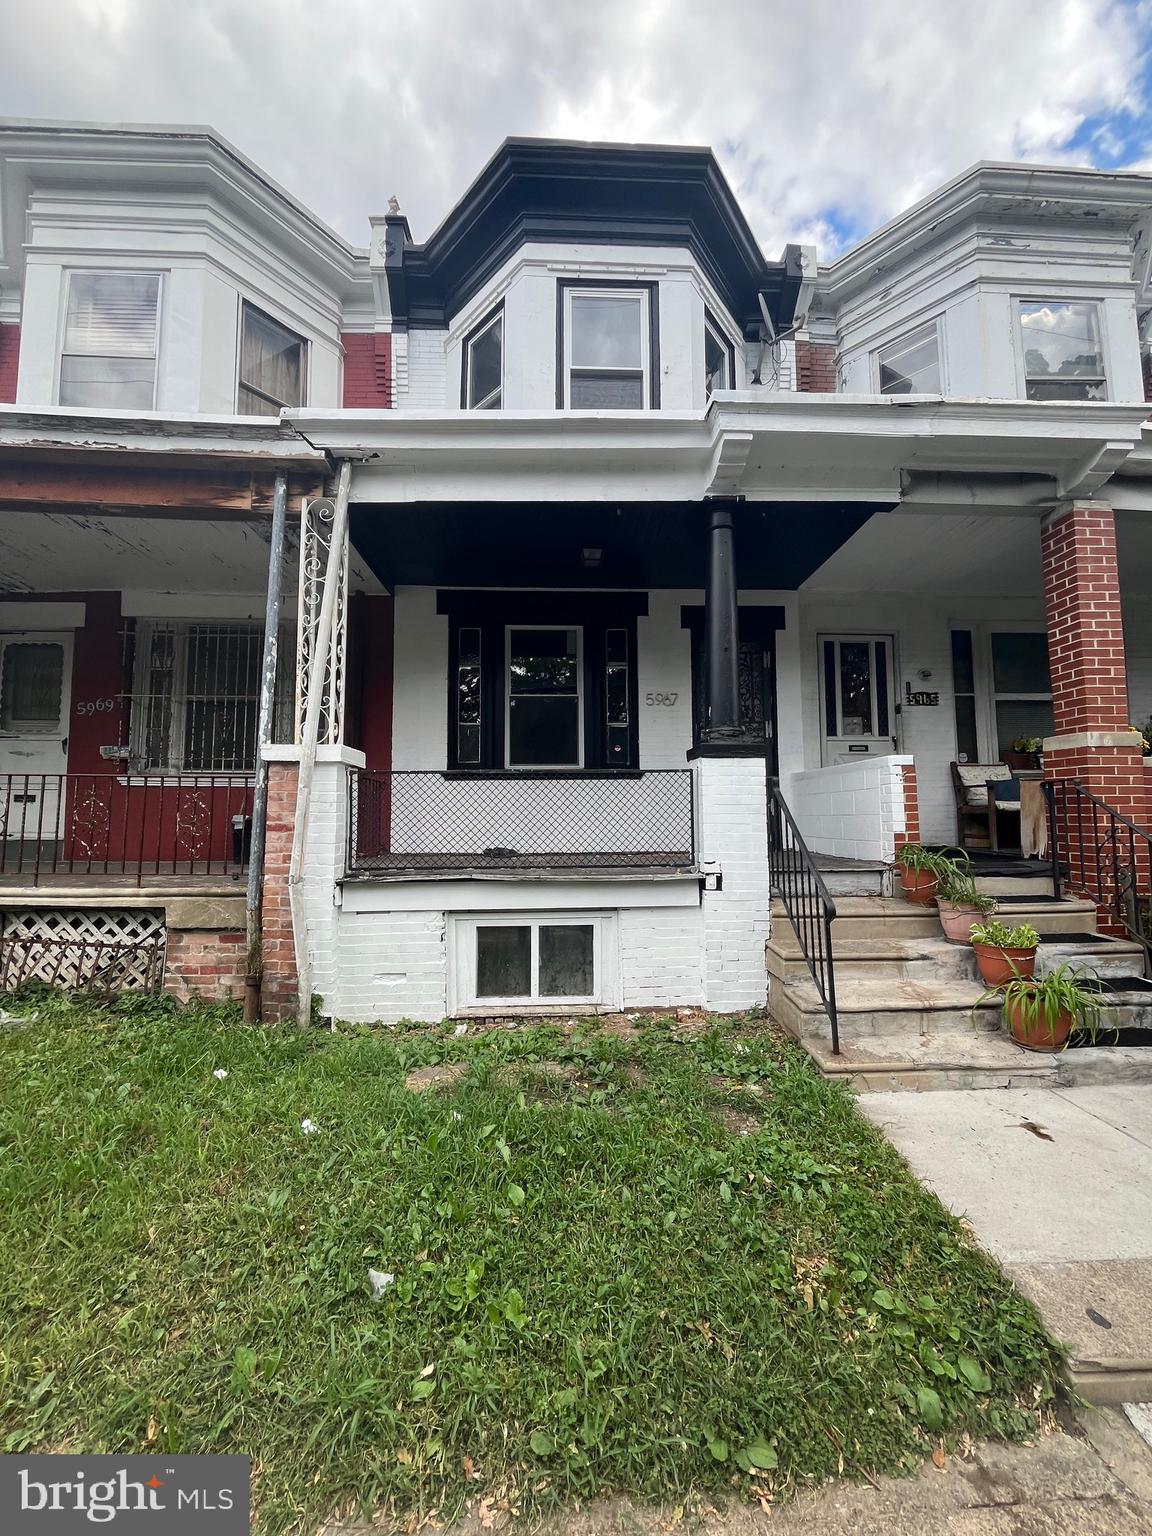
(757, 676)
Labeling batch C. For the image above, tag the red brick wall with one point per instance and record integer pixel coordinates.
(9, 362)
(816, 367)
(367, 369)
(279, 984)
(911, 833)
(205, 964)
(1085, 628)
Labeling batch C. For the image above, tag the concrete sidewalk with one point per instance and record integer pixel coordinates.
(1057, 1185)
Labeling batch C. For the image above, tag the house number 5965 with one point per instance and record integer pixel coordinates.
(667, 699)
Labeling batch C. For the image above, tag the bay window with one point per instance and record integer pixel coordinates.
(911, 364)
(608, 355)
(482, 384)
(719, 358)
(111, 326)
(271, 365)
(1062, 348)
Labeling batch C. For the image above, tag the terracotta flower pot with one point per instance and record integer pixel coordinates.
(918, 885)
(1037, 1035)
(957, 921)
(998, 966)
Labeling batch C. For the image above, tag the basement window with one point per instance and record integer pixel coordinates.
(911, 365)
(483, 381)
(111, 325)
(271, 365)
(1063, 351)
(503, 961)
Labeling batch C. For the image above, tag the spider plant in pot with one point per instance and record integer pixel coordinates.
(919, 873)
(1040, 1012)
(1003, 952)
(961, 904)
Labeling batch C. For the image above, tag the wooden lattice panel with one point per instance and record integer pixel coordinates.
(101, 949)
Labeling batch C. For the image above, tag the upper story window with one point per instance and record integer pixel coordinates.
(271, 365)
(482, 384)
(1063, 351)
(719, 358)
(608, 354)
(911, 365)
(111, 324)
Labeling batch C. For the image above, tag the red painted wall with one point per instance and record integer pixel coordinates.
(377, 646)
(367, 369)
(9, 362)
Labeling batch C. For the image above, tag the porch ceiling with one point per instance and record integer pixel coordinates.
(643, 544)
(72, 552)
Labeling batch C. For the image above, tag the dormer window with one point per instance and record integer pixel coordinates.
(1063, 352)
(911, 365)
(271, 365)
(482, 384)
(719, 358)
(608, 358)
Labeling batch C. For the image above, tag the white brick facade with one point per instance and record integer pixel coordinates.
(732, 833)
(853, 810)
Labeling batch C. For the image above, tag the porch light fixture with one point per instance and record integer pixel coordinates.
(591, 557)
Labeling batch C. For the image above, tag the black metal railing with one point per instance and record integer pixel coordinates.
(63, 825)
(1100, 853)
(433, 821)
(797, 882)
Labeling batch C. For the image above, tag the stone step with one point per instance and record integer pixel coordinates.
(870, 917)
(944, 1059)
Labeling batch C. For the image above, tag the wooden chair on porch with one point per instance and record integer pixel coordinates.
(982, 791)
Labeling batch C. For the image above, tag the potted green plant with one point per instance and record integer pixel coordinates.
(919, 873)
(960, 902)
(1024, 753)
(1003, 952)
(1040, 1012)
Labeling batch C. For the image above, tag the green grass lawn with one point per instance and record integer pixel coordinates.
(651, 1265)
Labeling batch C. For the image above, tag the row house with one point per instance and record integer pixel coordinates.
(487, 624)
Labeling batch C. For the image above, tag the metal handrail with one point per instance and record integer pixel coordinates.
(1100, 852)
(798, 883)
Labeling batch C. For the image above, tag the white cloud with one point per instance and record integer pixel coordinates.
(851, 108)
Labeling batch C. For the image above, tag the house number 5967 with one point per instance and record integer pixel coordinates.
(667, 699)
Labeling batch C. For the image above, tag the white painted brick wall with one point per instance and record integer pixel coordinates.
(660, 957)
(427, 372)
(732, 832)
(853, 810)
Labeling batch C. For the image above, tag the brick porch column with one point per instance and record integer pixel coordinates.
(279, 951)
(1086, 652)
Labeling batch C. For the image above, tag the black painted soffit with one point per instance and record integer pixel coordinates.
(562, 192)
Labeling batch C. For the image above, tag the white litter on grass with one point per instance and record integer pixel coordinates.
(220, 1072)
(456, 1115)
(461, 1029)
(1140, 1417)
(309, 1127)
(379, 1280)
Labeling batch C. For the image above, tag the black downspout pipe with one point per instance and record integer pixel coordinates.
(721, 630)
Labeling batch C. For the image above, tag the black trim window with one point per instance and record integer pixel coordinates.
(608, 354)
(719, 358)
(542, 682)
(482, 366)
(468, 697)
(271, 365)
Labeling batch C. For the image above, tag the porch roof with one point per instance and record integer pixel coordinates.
(778, 447)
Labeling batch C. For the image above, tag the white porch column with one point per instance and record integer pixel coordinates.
(319, 564)
(732, 838)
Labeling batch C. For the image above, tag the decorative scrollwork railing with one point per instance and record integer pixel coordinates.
(1100, 853)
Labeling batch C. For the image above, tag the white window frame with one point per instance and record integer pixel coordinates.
(543, 767)
(637, 292)
(838, 639)
(1101, 308)
(605, 968)
(903, 339)
(495, 317)
(726, 342)
(61, 354)
(305, 358)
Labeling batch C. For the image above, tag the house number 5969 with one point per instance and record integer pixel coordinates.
(667, 699)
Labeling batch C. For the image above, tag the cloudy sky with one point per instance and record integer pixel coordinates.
(828, 116)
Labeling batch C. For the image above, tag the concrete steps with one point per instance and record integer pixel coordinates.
(912, 1009)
